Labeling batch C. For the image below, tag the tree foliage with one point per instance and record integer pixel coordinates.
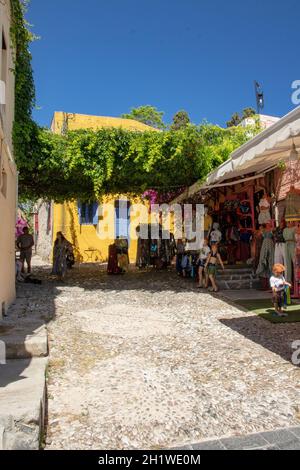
(180, 120)
(148, 115)
(237, 118)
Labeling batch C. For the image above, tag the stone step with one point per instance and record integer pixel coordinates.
(22, 403)
(236, 272)
(234, 277)
(238, 284)
(24, 342)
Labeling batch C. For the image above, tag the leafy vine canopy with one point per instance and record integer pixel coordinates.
(87, 164)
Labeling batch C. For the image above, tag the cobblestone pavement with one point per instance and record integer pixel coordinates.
(147, 360)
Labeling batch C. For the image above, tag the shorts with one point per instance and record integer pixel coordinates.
(201, 263)
(26, 255)
(278, 299)
(212, 270)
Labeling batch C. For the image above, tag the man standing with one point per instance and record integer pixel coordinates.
(25, 243)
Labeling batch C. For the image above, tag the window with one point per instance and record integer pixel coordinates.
(88, 213)
(122, 218)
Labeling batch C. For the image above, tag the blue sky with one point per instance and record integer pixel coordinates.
(105, 56)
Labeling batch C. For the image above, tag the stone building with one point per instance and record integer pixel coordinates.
(80, 221)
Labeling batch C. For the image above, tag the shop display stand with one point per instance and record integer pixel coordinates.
(296, 293)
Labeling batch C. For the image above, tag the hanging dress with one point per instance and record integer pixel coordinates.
(112, 266)
(266, 259)
(290, 243)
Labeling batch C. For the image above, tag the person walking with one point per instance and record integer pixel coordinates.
(213, 259)
(25, 243)
(60, 252)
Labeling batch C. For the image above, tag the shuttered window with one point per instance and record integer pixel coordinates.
(88, 213)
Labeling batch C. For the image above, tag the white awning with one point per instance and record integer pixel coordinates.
(259, 155)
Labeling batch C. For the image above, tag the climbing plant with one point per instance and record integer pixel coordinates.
(86, 164)
(24, 129)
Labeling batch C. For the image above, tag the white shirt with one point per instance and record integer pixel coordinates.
(277, 282)
(204, 252)
(264, 203)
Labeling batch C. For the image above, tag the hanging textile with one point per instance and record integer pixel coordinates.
(292, 211)
(112, 266)
(290, 243)
(266, 259)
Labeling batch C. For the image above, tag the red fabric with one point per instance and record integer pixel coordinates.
(112, 266)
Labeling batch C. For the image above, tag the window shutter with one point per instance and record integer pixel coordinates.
(122, 218)
(95, 213)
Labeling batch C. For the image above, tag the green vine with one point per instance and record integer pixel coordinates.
(24, 129)
(85, 164)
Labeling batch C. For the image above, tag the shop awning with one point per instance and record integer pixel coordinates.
(259, 155)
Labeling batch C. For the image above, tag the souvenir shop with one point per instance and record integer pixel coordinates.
(252, 203)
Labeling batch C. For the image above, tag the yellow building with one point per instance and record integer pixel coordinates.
(91, 228)
(8, 174)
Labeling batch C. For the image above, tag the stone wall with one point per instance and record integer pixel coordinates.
(44, 235)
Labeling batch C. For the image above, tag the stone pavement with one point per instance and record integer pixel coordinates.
(22, 378)
(281, 439)
(245, 294)
(148, 361)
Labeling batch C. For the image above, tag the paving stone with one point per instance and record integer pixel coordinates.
(293, 444)
(181, 448)
(295, 431)
(209, 445)
(22, 402)
(22, 343)
(270, 447)
(279, 437)
(253, 441)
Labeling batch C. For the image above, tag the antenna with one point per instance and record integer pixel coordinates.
(259, 94)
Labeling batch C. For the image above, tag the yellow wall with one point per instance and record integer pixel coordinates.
(84, 237)
(72, 121)
(65, 216)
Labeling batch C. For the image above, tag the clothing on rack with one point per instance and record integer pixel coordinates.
(156, 252)
(112, 266)
(290, 243)
(292, 212)
(264, 214)
(266, 259)
(279, 255)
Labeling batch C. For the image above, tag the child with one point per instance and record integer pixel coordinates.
(278, 283)
(201, 261)
(211, 265)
